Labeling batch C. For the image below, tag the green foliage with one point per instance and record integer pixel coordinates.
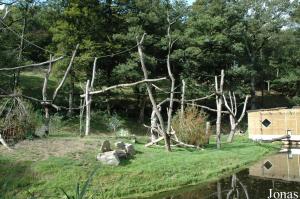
(114, 122)
(191, 127)
(81, 193)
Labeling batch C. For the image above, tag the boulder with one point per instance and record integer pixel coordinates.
(105, 147)
(109, 158)
(129, 148)
(120, 145)
(121, 153)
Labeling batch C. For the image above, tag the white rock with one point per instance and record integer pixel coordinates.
(109, 158)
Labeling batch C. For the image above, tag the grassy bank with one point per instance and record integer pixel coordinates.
(42, 167)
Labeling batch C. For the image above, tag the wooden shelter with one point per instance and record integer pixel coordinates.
(268, 124)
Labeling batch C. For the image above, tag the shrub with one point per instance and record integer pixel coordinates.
(191, 128)
(17, 119)
(114, 122)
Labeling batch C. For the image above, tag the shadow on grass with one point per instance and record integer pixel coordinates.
(15, 177)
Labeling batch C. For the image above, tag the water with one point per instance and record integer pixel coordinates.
(277, 176)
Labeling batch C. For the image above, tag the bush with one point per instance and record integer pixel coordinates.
(17, 119)
(191, 128)
(114, 122)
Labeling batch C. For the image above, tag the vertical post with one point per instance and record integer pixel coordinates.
(71, 93)
(82, 103)
(182, 99)
(207, 131)
(45, 96)
(47, 120)
(88, 108)
(219, 190)
(219, 102)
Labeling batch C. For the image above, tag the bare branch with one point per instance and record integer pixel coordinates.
(44, 91)
(244, 109)
(124, 85)
(94, 73)
(8, 3)
(202, 98)
(66, 73)
(154, 105)
(2, 141)
(227, 106)
(207, 108)
(32, 65)
(170, 43)
(6, 12)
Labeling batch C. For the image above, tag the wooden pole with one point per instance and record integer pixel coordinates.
(88, 108)
(151, 97)
(45, 96)
(182, 99)
(219, 102)
(82, 103)
(207, 131)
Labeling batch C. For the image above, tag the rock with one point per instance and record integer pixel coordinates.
(121, 153)
(129, 149)
(109, 158)
(105, 147)
(133, 139)
(120, 145)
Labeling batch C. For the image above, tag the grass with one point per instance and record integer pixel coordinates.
(43, 173)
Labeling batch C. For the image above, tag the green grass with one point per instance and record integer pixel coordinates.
(151, 171)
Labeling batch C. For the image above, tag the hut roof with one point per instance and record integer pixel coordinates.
(274, 109)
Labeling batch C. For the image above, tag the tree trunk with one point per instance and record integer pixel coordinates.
(232, 129)
(142, 106)
(71, 94)
(17, 73)
(168, 142)
(218, 122)
(182, 100)
(88, 109)
(47, 120)
(154, 135)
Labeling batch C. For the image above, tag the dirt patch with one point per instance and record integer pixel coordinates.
(43, 148)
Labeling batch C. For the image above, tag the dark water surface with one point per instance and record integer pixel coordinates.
(277, 174)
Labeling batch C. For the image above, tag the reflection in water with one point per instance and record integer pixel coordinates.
(280, 172)
(236, 184)
(281, 166)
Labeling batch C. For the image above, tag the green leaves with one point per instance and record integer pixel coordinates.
(81, 193)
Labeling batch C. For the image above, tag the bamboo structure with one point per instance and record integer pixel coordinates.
(268, 124)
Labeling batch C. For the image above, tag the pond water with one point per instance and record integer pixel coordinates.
(277, 176)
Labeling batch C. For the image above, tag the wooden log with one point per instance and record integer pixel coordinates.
(154, 141)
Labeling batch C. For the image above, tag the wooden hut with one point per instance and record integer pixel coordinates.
(268, 124)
